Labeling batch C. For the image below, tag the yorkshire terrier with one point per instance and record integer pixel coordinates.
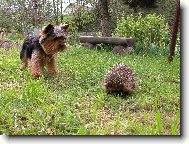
(40, 51)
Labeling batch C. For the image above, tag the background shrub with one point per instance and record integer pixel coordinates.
(151, 31)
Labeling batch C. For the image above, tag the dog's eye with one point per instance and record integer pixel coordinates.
(62, 37)
(56, 38)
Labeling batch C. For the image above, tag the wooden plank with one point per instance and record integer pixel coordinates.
(108, 40)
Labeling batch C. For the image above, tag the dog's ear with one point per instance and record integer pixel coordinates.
(64, 26)
(48, 28)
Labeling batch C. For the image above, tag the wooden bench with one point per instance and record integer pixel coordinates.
(121, 45)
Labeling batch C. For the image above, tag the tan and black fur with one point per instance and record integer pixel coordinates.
(40, 51)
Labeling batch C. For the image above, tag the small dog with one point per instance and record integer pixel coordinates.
(40, 51)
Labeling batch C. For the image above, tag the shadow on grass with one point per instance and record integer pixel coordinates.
(123, 95)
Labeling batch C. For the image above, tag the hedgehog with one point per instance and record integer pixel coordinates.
(120, 78)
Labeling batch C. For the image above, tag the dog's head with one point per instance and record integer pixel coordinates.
(53, 38)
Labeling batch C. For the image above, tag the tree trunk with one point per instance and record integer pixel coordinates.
(105, 18)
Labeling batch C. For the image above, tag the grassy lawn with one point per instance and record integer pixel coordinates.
(74, 101)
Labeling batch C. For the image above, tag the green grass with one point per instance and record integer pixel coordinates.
(74, 101)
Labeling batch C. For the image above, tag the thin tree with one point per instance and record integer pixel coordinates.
(174, 32)
(61, 10)
(57, 10)
(54, 10)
